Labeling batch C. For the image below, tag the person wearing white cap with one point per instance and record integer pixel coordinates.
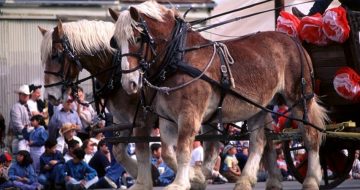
(19, 118)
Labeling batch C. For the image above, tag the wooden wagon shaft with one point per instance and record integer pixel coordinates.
(157, 139)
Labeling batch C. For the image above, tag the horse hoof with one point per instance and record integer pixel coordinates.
(174, 186)
(242, 185)
(310, 184)
(197, 179)
(273, 184)
(137, 186)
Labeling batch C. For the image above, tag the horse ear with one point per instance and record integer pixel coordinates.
(134, 13)
(114, 14)
(42, 30)
(60, 28)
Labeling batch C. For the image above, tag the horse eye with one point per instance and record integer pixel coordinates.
(113, 43)
(138, 39)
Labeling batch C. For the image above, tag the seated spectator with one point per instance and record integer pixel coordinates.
(97, 136)
(101, 163)
(79, 175)
(67, 133)
(166, 175)
(197, 154)
(281, 164)
(72, 145)
(231, 170)
(37, 138)
(86, 113)
(22, 173)
(243, 154)
(215, 173)
(51, 167)
(89, 148)
(5, 161)
(355, 171)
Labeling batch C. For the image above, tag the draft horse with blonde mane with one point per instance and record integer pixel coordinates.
(86, 44)
(89, 41)
(166, 54)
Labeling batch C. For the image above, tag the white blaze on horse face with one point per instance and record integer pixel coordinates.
(131, 82)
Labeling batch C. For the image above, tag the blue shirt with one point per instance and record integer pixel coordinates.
(45, 159)
(100, 163)
(167, 176)
(59, 118)
(16, 171)
(79, 171)
(38, 136)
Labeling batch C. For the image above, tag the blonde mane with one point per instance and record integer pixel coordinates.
(85, 37)
(125, 24)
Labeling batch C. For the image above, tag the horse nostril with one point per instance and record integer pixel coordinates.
(133, 85)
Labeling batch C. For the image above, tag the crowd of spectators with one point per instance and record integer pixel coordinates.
(54, 148)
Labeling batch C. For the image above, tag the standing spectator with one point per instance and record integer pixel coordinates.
(22, 173)
(51, 167)
(37, 139)
(197, 155)
(35, 102)
(5, 161)
(101, 163)
(79, 174)
(67, 133)
(19, 118)
(2, 131)
(64, 115)
(89, 148)
(166, 174)
(86, 113)
(231, 170)
(72, 145)
(355, 171)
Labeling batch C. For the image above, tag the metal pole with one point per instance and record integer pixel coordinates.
(278, 3)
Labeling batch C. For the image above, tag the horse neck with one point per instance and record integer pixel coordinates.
(97, 63)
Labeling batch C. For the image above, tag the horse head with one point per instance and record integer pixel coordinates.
(68, 48)
(142, 32)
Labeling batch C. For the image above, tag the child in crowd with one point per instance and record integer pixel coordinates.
(79, 174)
(72, 145)
(231, 169)
(5, 161)
(90, 148)
(37, 138)
(67, 133)
(166, 175)
(22, 172)
(51, 167)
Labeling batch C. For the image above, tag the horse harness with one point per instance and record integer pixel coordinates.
(173, 61)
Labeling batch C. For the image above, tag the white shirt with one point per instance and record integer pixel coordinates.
(32, 105)
(61, 144)
(197, 155)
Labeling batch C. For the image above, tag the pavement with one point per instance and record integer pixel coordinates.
(287, 185)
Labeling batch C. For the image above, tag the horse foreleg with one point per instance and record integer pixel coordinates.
(144, 179)
(169, 134)
(188, 127)
(248, 176)
(121, 156)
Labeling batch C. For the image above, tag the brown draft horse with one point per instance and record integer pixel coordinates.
(265, 64)
(91, 42)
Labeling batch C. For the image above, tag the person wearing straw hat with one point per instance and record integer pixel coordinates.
(19, 118)
(67, 133)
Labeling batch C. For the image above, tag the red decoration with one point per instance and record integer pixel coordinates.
(288, 23)
(347, 84)
(311, 30)
(335, 25)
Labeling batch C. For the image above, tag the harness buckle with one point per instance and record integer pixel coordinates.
(303, 81)
(223, 69)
